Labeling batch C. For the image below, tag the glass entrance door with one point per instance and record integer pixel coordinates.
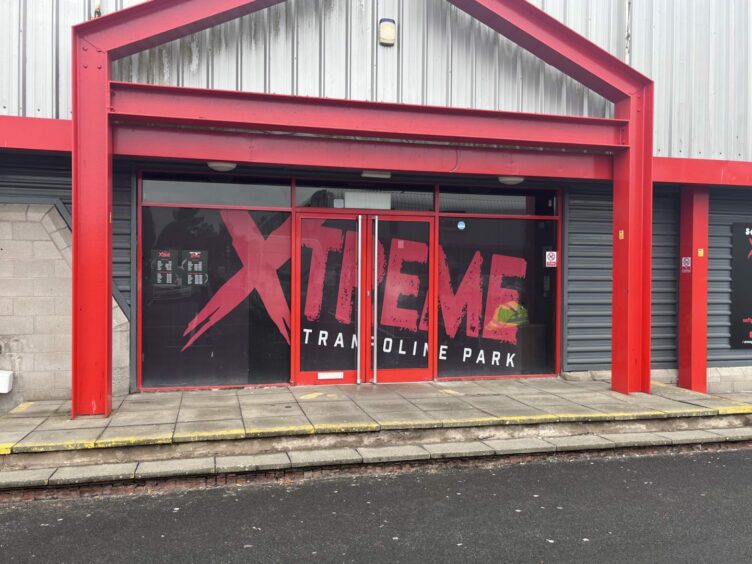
(365, 299)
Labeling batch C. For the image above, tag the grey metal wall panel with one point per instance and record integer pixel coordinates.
(588, 278)
(30, 177)
(726, 208)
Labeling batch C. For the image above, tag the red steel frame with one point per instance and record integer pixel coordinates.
(98, 42)
(693, 288)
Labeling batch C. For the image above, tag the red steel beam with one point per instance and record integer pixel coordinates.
(144, 103)
(92, 233)
(558, 45)
(153, 23)
(35, 134)
(693, 289)
(632, 254)
(288, 150)
(704, 172)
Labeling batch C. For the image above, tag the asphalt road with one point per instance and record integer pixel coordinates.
(685, 508)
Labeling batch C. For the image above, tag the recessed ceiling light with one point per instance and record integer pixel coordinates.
(221, 166)
(383, 174)
(511, 180)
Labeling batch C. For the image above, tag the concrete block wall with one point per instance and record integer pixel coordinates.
(720, 380)
(35, 307)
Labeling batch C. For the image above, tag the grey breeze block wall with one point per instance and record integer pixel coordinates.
(35, 307)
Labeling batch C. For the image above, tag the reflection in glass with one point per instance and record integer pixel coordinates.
(215, 297)
(497, 297)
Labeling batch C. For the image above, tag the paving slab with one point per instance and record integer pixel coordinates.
(520, 446)
(209, 431)
(7, 440)
(159, 417)
(734, 433)
(415, 419)
(440, 404)
(385, 405)
(64, 423)
(261, 391)
(691, 437)
(343, 423)
(324, 457)
(622, 440)
(203, 401)
(175, 468)
(151, 405)
(69, 475)
(305, 394)
(16, 424)
(25, 478)
(403, 453)
(252, 462)
(580, 442)
(48, 441)
(188, 415)
(35, 409)
(458, 449)
(265, 399)
(331, 408)
(286, 409)
(135, 435)
(277, 426)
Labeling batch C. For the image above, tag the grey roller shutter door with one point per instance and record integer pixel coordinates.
(727, 206)
(586, 335)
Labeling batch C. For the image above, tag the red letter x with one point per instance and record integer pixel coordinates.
(261, 258)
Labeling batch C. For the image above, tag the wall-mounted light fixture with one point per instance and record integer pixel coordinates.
(387, 32)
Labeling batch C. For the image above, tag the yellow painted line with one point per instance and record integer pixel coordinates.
(6, 448)
(21, 407)
(741, 409)
(411, 424)
(584, 417)
(280, 430)
(53, 447)
(113, 442)
(312, 395)
(470, 422)
(697, 412)
(223, 434)
(345, 427)
(527, 419)
(632, 415)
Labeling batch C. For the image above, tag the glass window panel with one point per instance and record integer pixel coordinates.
(328, 294)
(412, 198)
(497, 297)
(495, 201)
(201, 190)
(215, 297)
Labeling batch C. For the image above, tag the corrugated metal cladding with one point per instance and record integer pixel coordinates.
(30, 178)
(699, 53)
(726, 208)
(587, 291)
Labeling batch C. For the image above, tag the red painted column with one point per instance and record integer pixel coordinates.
(632, 254)
(693, 288)
(92, 232)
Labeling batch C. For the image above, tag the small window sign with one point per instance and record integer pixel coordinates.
(552, 259)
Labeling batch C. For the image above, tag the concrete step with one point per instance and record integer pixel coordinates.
(67, 475)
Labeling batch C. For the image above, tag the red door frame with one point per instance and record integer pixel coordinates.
(98, 42)
(365, 286)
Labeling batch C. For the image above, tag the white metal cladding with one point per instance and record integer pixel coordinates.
(588, 247)
(697, 51)
(317, 48)
(727, 206)
(699, 54)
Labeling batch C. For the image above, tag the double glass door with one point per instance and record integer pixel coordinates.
(365, 298)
